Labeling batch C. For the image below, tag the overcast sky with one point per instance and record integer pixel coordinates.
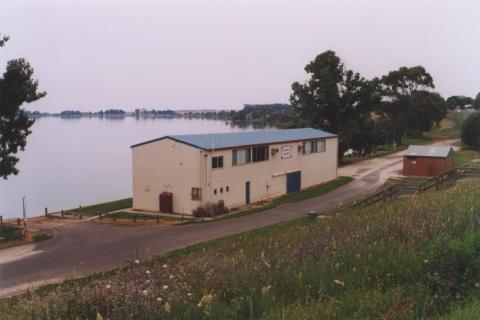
(91, 54)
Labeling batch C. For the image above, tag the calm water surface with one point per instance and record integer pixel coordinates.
(72, 162)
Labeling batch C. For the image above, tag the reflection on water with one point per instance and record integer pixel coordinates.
(78, 161)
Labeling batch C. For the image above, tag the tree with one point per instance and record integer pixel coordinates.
(471, 132)
(461, 102)
(16, 88)
(476, 102)
(409, 103)
(429, 108)
(333, 99)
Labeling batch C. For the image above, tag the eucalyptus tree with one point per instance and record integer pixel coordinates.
(16, 88)
(335, 99)
(409, 102)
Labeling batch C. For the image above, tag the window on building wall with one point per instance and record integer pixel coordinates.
(227, 189)
(321, 145)
(221, 190)
(308, 147)
(259, 154)
(241, 156)
(214, 191)
(217, 162)
(196, 194)
(314, 146)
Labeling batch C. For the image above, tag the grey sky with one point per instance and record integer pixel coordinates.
(191, 53)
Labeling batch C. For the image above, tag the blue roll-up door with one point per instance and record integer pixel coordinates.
(294, 181)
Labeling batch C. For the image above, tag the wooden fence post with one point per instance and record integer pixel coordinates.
(63, 213)
(46, 212)
(1, 219)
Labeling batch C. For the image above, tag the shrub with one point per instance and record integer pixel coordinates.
(40, 236)
(10, 232)
(210, 210)
(471, 132)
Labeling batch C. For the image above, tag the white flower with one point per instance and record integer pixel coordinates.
(145, 292)
(164, 266)
(137, 261)
(426, 260)
(159, 299)
(189, 294)
(147, 281)
(108, 286)
(165, 287)
(171, 276)
(147, 272)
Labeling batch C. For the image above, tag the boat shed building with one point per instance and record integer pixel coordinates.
(428, 160)
(179, 173)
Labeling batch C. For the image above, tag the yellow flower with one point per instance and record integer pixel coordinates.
(206, 299)
(166, 307)
(266, 288)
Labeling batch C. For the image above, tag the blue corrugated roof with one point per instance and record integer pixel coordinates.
(235, 139)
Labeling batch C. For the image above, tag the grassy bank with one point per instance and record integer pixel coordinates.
(103, 207)
(313, 192)
(449, 128)
(467, 158)
(408, 259)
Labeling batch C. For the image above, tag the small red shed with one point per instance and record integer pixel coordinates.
(429, 160)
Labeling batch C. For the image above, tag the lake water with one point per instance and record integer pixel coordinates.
(72, 162)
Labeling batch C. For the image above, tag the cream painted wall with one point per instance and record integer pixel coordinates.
(166, 165)
(315, 168)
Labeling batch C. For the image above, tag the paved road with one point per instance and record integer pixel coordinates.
(86, 247)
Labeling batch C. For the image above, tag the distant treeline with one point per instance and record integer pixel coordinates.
(277, 114)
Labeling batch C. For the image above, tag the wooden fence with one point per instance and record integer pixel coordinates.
(437, 182)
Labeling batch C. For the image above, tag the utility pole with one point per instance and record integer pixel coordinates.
(24, 216)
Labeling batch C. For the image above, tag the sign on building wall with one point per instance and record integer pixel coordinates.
(286, 152)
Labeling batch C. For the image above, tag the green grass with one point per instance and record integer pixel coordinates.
(469, 310)
(103, 207)
(414, 258)
(416, 140)
(294, 197)
(40, 236)
(467, 158)
(9, 232)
